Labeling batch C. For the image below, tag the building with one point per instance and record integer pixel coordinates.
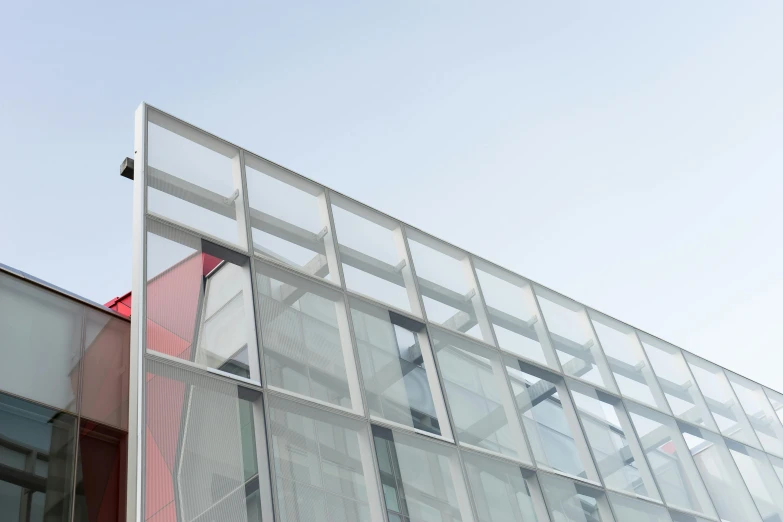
(295, 355)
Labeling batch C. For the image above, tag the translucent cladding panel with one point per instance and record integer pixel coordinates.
(100, 474)
(724, 484)
(201, 460)
(514, 314)
(373, 255)
(447, 286)
(761, 479)
(289, 219)
(631, 510)
(570, 501)
(194, 179)
(306, 339)
(549, 419)
(422, 480)
(721, 400)
(670, 460)
(199, 302)
(398, 369)
(677, 383)
(323, 466)
(573, 339)
(481, 406)
(776, 400)
(37, 459)
(679, 516)
(627, 361)
(105, 370)
(502, 492)
(759, 412)
(615, 448)
(40, 343)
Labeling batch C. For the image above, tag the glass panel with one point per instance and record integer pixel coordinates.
(670, 460)
(615, 448)
(572, 336)
(289, 219)
(776, 400)
(727, 490)
(481, 405)
(501, 492)
(550, 422)
(199, 302)
(200, 450)
(422, 480)
(323, 466)
(679, 516)
(372, 252)
(573, 502)
(760, 413)
(514, 315)
(720, 400)
(36, 461)
(194, 179)
(100, 474)
(447, 286)
(41, 334)
(631, 510)
(105, 373)
(399, 374)
(761, 479)
(677, 383)
(306, 339)
(627, 361)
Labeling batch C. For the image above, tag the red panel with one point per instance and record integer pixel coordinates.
(102, 453)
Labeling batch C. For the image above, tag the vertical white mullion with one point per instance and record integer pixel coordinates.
(652, 380)
(331, 244)
(550, 344)
(739, 410)
(700, 398)
(477, 301)
(636, 448)
(407, 271)
(599, 356)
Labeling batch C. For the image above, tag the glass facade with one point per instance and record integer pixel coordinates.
(302, 357)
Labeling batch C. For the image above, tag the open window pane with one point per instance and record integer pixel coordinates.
(762, 417)
(761, 479)
(481, 405)
(322, 466)
(289, 219)
(674, 376)
(514, 315)
(201, 451)
(549, 419)
(306, 339)
(447, 286)
(721, 400)
(373, 255)
(200, 302)
(570, 501)
(503, 492)
(631, 510)
(398, 369)
(194, 179)
(670, 460)
(573, 339)
(627, 361)
(716, 467)
(421, 480)
(615, 448)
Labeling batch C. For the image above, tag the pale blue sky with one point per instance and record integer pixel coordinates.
(627, 154)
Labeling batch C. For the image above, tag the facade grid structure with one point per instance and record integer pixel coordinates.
(298, 356)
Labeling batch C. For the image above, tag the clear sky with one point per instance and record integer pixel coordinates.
(626, 154)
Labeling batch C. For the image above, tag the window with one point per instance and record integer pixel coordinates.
(760, 414)
(398, 369)
(571, 501)
(631, 510)
(306, 339)
(760, 478)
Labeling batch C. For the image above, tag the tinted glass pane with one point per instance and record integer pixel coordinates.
(100, 474)
(481, 405)
(306, 339)
(573, 502)
(398, 370)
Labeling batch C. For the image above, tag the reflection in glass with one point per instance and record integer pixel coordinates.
(762, 417)
(100, 474)
(631, 510)
(573, 339)
(761, 479)
(421, 480)
(514, 315)
(199, 302)
(322, 465)
(481, 406)
(306, 339)
(549, 420)
(574, 502)
(615, 448)
(398, 370)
